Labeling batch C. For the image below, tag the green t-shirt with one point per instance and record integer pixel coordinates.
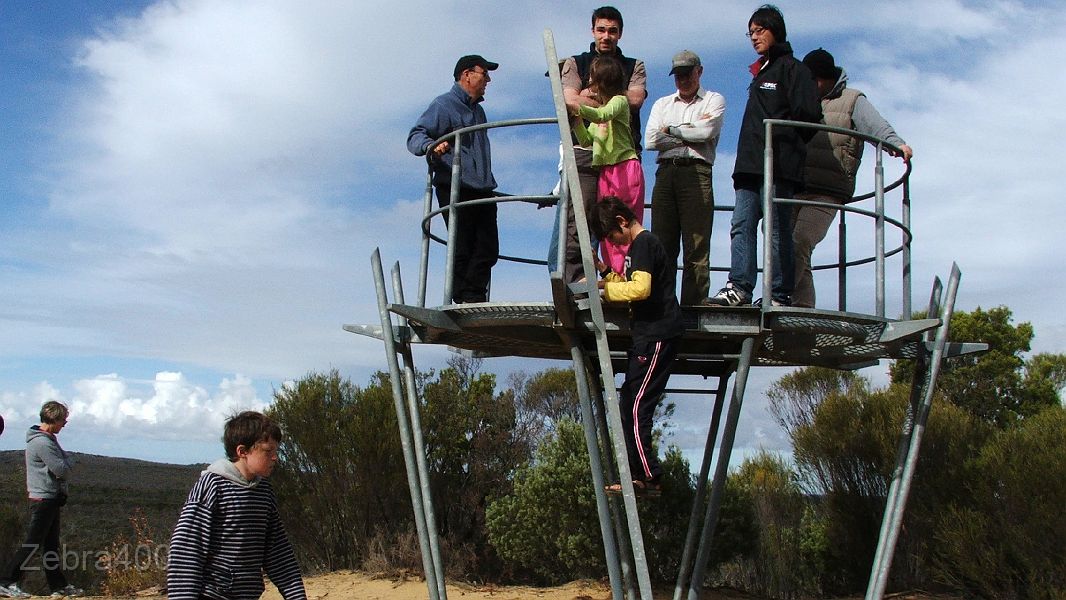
(609, 135)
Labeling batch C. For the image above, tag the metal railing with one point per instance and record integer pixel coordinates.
(877, 214)
(456, 139)
(770, 203)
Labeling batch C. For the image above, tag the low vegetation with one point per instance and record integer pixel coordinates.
(510, 477)
(119, 516)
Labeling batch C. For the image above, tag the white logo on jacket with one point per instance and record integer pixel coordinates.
(768, 85)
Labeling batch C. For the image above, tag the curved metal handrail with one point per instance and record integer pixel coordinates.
(456, 136)
(878, 215)
(842, 264)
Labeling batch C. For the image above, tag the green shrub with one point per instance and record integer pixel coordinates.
(1009, 540)
(790, 554)
(548, 527)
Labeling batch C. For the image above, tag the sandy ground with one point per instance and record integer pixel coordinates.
(348, 585)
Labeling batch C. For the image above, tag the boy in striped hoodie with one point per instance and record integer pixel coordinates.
(229, 533)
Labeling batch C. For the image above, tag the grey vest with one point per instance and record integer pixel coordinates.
(833, 158)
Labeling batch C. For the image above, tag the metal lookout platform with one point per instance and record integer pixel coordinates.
(718, 343)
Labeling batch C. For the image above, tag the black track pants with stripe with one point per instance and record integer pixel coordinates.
(649, 369)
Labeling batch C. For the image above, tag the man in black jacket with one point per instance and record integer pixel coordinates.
(781, 88)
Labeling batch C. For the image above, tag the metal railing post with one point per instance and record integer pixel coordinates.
(423, 265)
(768, 194)
(879, 229)
(842, 263)
(906, 218)
(453, 214)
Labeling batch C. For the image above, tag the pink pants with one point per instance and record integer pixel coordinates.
(625, 180)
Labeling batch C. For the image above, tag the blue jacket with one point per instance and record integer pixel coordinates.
(448, 112)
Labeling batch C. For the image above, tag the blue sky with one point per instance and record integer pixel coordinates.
(192, 189)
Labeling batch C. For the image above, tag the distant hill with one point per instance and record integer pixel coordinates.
(104, 493)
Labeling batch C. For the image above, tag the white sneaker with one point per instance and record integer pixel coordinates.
(12, 591)
(70, 590)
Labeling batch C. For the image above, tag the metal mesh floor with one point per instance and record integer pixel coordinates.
(713, 335)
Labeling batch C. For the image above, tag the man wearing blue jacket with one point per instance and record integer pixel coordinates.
(781, 88)
(477, 243)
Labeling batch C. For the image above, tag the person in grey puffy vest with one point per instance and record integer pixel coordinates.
(832, 161)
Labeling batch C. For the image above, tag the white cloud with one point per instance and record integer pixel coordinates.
(17, 407)
(168, 407)
(228, 167)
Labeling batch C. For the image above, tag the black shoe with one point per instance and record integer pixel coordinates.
(773, 302)
(728, 296)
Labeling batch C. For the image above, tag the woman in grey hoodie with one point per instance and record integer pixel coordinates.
(47, 470)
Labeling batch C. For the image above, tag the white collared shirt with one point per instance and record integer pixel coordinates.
(694, 126)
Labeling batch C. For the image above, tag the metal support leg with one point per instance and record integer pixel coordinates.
(701, 487)
(722, 470)
(419, 445)
(904, 473)
(596, 311)
(406, 441)
(588, 421)
(610, 472)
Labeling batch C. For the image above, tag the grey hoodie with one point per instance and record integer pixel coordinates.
(229, 470)
(47, 465)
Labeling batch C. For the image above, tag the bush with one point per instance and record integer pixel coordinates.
(845, 439)
(1010, 539)
(340, 479)
(790, 554)
(132, 566)
(548, 527)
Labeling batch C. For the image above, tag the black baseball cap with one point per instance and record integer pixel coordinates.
(821, 64)
(470, 61)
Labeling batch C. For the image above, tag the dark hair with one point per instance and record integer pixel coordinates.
(607, 76)
(602, 216)
(53, 412)
(248, 429)
(607, 12)
(770, 17)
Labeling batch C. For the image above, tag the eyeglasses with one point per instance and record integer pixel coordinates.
(608, 30)
(477, 72)
(754, 32)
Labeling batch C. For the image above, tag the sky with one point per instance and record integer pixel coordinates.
(192, 189)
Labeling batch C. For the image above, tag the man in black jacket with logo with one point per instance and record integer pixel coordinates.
(781, 88)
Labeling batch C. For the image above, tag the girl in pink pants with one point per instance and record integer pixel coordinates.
(613, 152)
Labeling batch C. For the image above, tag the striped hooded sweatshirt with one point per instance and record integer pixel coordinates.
(227, 535)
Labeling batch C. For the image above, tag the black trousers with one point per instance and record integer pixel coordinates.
(649, 370)
(43, 535)
(477, 244)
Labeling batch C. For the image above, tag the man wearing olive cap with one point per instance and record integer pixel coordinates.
(477, 244)
(684, 128)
